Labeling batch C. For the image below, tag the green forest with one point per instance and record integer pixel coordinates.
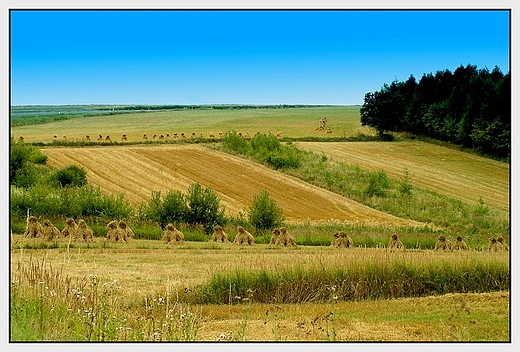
(469, 107)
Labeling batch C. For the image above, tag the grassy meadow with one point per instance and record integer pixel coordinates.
(147, 290)
(291, 122)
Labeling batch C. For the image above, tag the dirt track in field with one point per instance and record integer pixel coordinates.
(136, 171)
(454, 173)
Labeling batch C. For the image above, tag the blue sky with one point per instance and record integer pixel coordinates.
(241, 57)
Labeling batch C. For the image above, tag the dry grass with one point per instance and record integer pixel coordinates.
(342, 239)
(395, 243)
(297, 122)
(284, 239)
(146, 265)
(219, 235)
(115, 233)
(428, 319)
(50, 232)
(83, 232)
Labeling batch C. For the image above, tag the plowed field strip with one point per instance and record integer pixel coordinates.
(456, 174)
(139, 170)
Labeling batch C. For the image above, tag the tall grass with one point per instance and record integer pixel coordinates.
(48, 305)
(53, 301)
(380, 276)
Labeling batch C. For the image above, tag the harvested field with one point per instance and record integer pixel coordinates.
(235, 180)
(454, 173)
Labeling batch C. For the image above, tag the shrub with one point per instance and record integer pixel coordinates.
(199, 206)
(204, 207)
(232, 141)
(22, 160)
(378, 184)
(481, 209)
(268, 149)
(26, 176)
(171, 209)
(72, 175)
(43, 200)
(174, 208)
(264, 214)
(288, 157)
(405, 187)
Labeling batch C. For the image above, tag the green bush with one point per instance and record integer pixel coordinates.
(171, 208)
(405, 186)
(232, 141)
(268, 149)
(72, 175)
(23, 159)
(204, 207)
(264, 214)
(288, 157)
(378, 184)
(43, 200)
(264, 148)
(200, 206)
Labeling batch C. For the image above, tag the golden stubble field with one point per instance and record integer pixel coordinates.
(447, 171)
(136, 171)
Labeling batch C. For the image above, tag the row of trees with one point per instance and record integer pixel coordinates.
(469, 107)
(211, 107)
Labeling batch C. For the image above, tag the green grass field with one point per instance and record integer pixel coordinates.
(291, 122)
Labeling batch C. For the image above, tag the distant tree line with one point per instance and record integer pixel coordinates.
(468, 107)
(211, 107)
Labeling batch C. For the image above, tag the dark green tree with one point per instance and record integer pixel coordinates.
(469, 107)
(383, 110)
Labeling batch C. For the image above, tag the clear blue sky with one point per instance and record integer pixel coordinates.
(241, 57)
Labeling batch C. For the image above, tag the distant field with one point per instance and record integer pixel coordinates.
(457, 174)
(291, 122)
